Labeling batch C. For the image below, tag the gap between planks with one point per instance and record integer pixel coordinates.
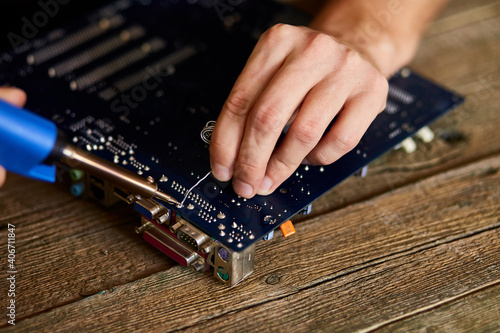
(429, 307)
(375, 261)
(371, 264)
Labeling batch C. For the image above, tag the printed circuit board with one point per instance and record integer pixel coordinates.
(136, 82)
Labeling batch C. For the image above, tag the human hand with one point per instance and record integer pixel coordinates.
(16, 97)
(291, 68)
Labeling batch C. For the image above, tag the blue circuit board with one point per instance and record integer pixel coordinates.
(136, 82)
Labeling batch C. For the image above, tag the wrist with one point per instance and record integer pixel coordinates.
(386, 43)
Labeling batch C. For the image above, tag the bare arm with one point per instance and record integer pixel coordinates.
(386, 32)
(337, 67)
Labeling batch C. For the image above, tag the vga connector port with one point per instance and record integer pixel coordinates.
(192, 237)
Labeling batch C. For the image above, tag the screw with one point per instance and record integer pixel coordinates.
(198, 265)
(163, 218)
(142, 228)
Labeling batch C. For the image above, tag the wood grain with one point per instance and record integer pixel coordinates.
(420, 230)
(477, 311)
(382, 258)
(71, 247)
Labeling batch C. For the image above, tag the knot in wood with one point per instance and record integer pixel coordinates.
(273, 279)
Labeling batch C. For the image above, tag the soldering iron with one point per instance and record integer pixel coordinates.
(30, 144)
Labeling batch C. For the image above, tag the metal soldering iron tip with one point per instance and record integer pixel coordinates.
(165, 197)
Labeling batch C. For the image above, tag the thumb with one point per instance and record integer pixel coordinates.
(13, 95)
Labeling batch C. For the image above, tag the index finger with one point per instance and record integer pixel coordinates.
(13, 95)
(261, 66)
(2, 176)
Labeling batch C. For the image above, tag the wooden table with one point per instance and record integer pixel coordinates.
(415, 246)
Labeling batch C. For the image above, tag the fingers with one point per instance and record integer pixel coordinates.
(262, 65)
(305, 135)
(318, 109)
(2, 176)
(350, 125)
(13, 95)
(284, 93)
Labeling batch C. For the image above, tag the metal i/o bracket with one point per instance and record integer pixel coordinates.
(231, 267)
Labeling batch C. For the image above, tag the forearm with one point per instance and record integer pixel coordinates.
(385, 32)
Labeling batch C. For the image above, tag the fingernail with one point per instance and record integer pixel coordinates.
(243, 189)
(221, 172)
(265, 186)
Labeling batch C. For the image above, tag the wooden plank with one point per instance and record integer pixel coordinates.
(356, 301)
(68, 247)
(459, 6)
(462, 14)
(381, 258)
(64, 241)
(477, 311)
(46, 213)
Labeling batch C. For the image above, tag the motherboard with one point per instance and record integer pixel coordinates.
(140, 84)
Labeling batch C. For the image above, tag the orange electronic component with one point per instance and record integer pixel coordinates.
(287, 228)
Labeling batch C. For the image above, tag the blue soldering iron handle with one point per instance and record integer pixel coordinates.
(26, 141)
